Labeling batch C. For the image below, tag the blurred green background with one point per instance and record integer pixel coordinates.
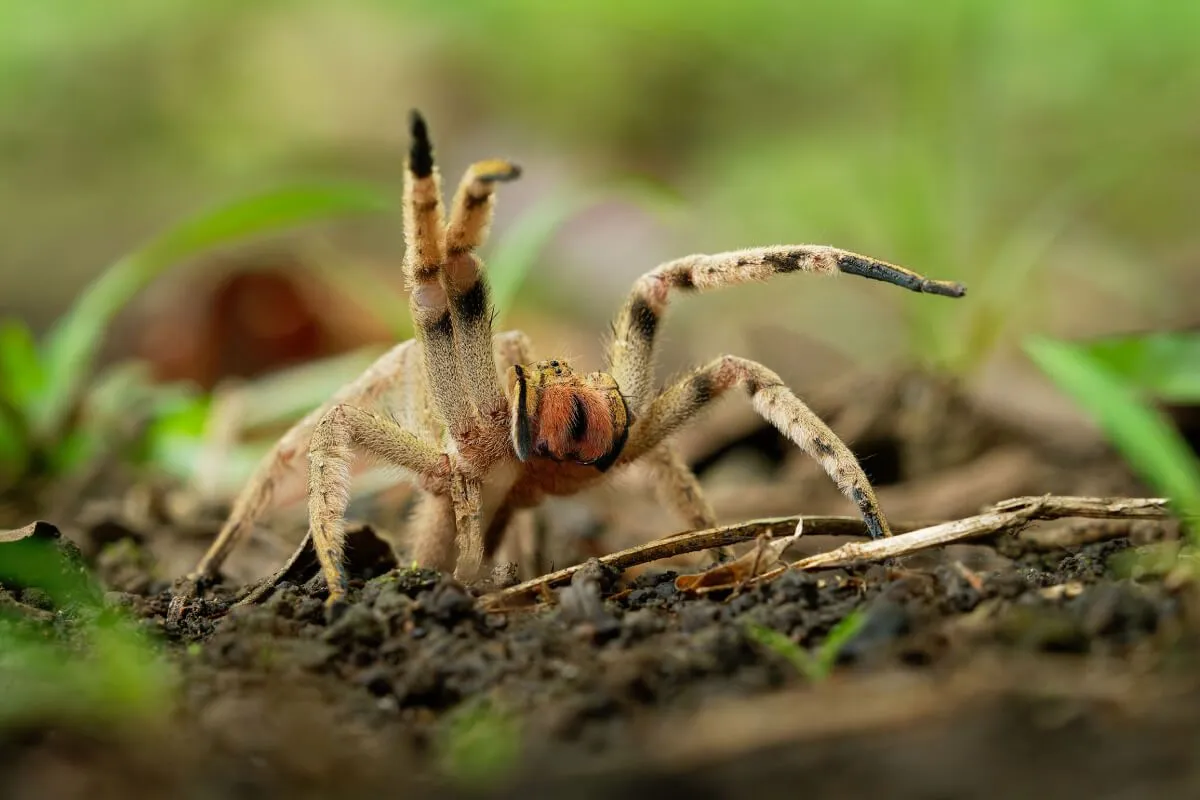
(1044, 153)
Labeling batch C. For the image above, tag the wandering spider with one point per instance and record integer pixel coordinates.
(484, 429)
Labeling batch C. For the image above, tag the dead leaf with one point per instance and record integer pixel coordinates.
(763, 556)
(39, 529)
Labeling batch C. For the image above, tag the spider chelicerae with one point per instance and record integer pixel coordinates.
(484, 429)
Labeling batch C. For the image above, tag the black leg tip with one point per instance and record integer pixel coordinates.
(874, 528)
(335, 611)
(944, 288)
(510, 172)
(421, 154)
(417, 125)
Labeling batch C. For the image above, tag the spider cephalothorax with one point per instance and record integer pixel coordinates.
(486, 430)
(561, 415)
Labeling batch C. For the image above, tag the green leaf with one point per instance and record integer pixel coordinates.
(782, 646)
(1140, 432)
(21, 374)
(178, 423)
(478, 743)
(840, 635)
(116, 675)
(1163, 365)
(72, 450)
(39, 562)
(818, 665)
(74, 341)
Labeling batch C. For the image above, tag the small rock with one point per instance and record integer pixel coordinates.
(448, 603)
(698, 615)
(582, 602)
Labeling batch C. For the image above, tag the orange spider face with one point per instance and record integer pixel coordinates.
(560, 415)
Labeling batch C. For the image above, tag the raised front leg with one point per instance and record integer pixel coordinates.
(425, 257)
(449, 297)
(631, 351)
(467, 287)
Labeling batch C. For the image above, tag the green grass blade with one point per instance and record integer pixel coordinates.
(21, 373)
(74, 341)
(783, 646)
(1143, 435)
(1163, 365)
(838, 638)
(20, 378)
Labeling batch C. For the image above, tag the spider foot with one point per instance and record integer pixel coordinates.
(495, 170)
(336, 606)
(854, 264)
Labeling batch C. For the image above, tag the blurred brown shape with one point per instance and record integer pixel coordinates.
(246, 318)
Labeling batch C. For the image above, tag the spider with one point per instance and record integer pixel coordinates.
(484, 429)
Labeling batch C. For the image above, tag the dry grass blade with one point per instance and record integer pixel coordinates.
(1059, 506)
(1015, 514)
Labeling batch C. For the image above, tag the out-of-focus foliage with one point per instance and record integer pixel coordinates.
(1162, 366)
(91, 663)
(1116, 383)
(818, 664)
(44, 388)
(1025, 148)
(479, 743)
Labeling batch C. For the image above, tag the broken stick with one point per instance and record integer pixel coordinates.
(1006, 516)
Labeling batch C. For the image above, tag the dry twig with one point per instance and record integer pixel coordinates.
(1006, 516)
(692, 542)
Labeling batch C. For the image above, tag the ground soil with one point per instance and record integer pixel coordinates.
(1041, 662)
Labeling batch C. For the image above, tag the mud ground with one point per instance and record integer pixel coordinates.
(1029, 663)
